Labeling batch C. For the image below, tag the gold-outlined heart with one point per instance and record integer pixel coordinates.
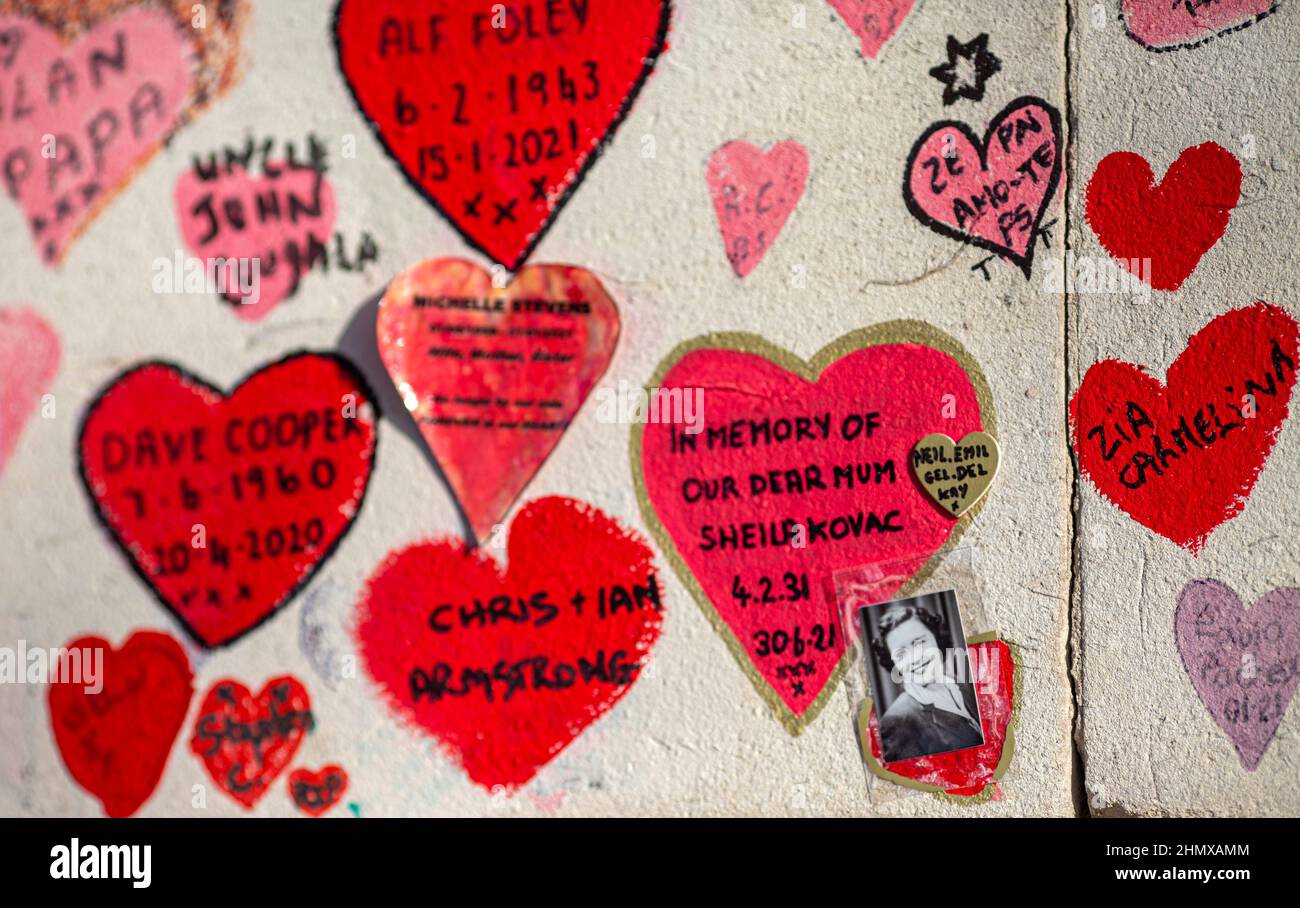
(978, 485)
(1008, 743)
(904, 331)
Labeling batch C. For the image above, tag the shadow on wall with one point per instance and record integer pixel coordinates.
(360, 343)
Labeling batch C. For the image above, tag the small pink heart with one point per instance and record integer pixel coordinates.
(81, 119)
(753, 194)
(275, 218)
(1171, 24)
(990, 192)
(1244, 663)
(873, 21)
(29, 357)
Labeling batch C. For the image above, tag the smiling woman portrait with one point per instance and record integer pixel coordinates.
(923, 683)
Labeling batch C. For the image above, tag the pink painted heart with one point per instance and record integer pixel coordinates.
(799, 470)
(79, 120)
(29, 357)
(873, 21)
(1244, 663)
(1171, 24)
(275, 217)
(753, 194)
(493, 376)
(990, 192)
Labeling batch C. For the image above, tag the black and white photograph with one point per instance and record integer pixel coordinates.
(920, 675)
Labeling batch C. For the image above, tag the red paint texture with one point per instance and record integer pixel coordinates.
(315, 792)
(493, 377)
(29, 358)
(1171, 223)
(967, 772)
(269, 478)
(754, 192)
(1181, 457)
(497, 126)
(1164, 25)
(245, 741)
(873, 21)
(794, 641)
(990, 192)
(116, 742)
(506, 666)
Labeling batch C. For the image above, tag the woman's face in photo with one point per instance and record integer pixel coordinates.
(915, 652)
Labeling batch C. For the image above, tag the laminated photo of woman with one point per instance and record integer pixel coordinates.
(922, 682)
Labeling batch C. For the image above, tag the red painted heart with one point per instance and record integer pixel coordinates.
(116, 740)
(1162, 25)
(494, 376)
(316, 792)
(990, 192)
(1181, 457)
(278, 217)
(506, 667)
(495, 112)
(754, 192)
(91, 92)
(226, 505)
(961, 772)
(29, 357)
(799, 470)
(245, 741)
(1159, 231)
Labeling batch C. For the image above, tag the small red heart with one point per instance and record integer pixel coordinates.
(116, 742)
(506, 666)
(754, 193)
(29, 358)
(315, 792)
(245, 742)
(493, 376)
(990, 192)
(1181, 457)
(1172, 223)
(268, 478)
(495, 112)
(965, 772)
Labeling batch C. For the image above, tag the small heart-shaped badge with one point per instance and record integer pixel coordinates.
(956, 474)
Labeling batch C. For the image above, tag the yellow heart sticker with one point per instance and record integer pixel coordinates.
(955, 474)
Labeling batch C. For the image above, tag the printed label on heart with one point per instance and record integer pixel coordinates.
(116, 740)
(29, 359)
(1244, 663)
(506, 666)
(493, 377)
(798, 470)
(495, 112)
(961, 773)
(226, 505)
(1159, 232)
(1162, 25)
(955, 475)
(990, 192)
(314, 793)
(80, 119)
(753, 194)
(286, 215)
(873, 21)
(1181, 457)
(245, 741)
